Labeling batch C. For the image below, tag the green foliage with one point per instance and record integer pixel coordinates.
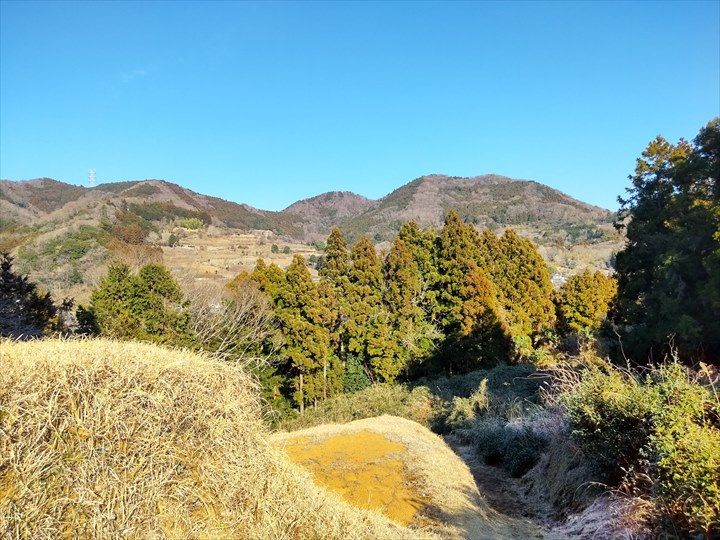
(515, 446)
(286, 250)
(465, 410)
(147, 306)
(26, 312)
(582, 302)
(354, 377)
(274, 249)
(669, 271)
(306, 340)
(523, 280)
(173, 240)
(662, 425)
(163, 210)
(192, 223)
(67, 248)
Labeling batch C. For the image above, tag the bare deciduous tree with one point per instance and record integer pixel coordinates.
(236, 325)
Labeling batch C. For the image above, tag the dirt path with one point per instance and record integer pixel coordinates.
(506, 495)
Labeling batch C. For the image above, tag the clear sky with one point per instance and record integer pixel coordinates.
(266, 103)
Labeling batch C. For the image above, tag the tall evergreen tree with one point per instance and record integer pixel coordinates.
(422, 246)
(403, 295)
(582, 302)
(334, 279)
(149, 305)
(457, 254)
(307, 342)
(369, 333)
(669, 271)
(484, 336)
(336, 260)
(525, 287)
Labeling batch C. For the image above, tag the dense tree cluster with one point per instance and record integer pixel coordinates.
(149, 306)
(669, 272)
(435, 302)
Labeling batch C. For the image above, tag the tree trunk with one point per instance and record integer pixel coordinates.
(302, 396)
(325, 379)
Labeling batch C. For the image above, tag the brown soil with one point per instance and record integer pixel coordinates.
(365, 468)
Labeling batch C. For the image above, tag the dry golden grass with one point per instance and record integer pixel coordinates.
(219, 254)
(452, 506)
(105, 439)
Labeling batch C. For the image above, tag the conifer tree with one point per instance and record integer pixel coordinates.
(457, 253)
(334, 279)
(147, 306)
(669, 271)
(483, 334)
(25, 312)
(422, 246)
(336, 261)
(307, 342)
(525, 286)
(271, 279)
(583, 301)
(369, 334)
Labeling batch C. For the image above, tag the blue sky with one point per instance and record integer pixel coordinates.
(266, 103)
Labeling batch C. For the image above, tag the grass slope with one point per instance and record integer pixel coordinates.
(104, 439)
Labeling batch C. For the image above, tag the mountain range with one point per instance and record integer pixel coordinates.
(488, 201)
(570, 234)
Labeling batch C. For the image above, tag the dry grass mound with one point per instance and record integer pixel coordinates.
(104, 439)
(400, 468)
(365, 468)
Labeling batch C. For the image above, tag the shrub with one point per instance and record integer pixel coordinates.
(192, 223)
(274, 249)
(465, 410)
(515, 446)
(663, 428)
(173, 240)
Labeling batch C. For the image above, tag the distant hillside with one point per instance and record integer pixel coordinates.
(66, 235)
(25, 201)
(317, 215)
(493, 201)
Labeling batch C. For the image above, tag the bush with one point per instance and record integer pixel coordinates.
(465, 410)
(274, 249)
(662, 427)
(192, 223)
(354, 377)
(173, 240)
(515, 446)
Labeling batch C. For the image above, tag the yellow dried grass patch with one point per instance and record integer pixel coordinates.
(366, 468)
